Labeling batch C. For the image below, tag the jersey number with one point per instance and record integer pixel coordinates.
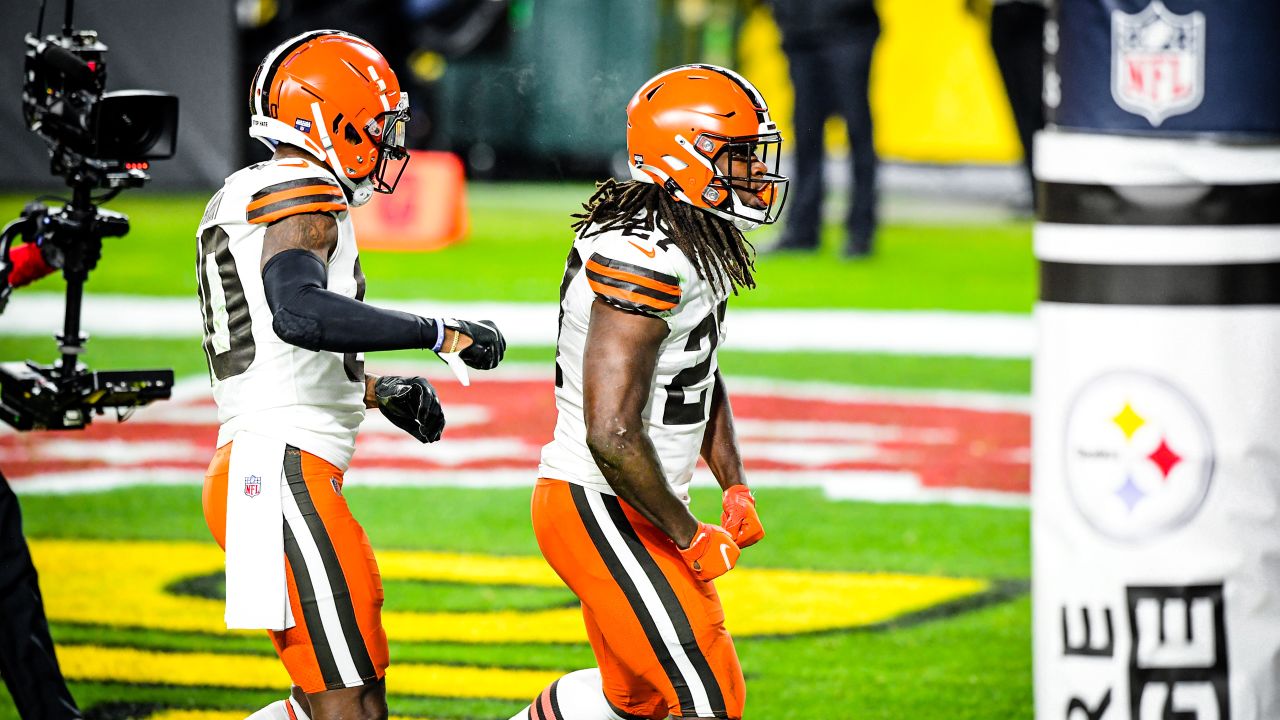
(677, 411)
(572, 266)
(228, 334)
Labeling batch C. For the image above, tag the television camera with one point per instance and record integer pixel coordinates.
(98, 141)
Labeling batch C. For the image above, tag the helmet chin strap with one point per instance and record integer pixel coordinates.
(741, 215)
(744, 224)
(359, 192)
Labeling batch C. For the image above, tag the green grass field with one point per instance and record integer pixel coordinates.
(520, 235)
(964, 657)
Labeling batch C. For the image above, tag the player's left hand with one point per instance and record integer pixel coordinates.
(487, 344)
(412, 404)
(740, 517)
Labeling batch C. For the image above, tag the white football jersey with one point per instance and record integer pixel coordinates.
(639, 271)
(311, 400)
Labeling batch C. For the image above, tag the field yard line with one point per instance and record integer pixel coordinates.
(853, 485)
(908, 332)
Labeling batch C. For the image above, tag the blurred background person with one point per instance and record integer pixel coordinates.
(828, 44)
(1017, 40)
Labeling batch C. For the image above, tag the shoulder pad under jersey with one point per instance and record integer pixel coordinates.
(634, 274)
(280, 188)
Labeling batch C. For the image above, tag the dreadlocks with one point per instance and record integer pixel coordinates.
(716, 248)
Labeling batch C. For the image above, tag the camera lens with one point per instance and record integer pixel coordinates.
(135, 125)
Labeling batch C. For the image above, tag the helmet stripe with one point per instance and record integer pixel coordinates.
(757, 99)
(267, 71)
(382, 93)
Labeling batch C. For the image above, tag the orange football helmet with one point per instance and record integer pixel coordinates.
(334, 95)
(686, 122)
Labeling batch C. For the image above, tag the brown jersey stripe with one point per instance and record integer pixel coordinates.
(633, 278)
(312, 189)
(635, 269)
(629, 300)
(630, 287)
(291, 184)
(298, 206)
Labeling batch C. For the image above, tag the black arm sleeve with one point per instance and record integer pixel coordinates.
(309, 316)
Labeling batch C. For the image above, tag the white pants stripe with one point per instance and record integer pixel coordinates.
(331, 625)
(652, 604)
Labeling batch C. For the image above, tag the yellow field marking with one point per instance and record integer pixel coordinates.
(184, 669)
(122, 584)
(219, 715)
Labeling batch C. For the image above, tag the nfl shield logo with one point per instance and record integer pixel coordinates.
(1157, 62)
(252, 485)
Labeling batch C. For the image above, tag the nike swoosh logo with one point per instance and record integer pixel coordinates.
(648, 253)
(724, 553)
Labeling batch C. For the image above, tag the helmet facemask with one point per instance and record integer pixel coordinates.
(747, 187)
(387, 131)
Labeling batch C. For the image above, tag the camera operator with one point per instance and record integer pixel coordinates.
(98, 141)
(27, 660)
(43, 253)
(26, 265)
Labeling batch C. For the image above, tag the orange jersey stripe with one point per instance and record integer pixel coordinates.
(630, 297)
(317, 189)
(298, 210)
(633, 278)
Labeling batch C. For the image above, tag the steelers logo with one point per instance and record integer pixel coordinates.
(1139, 457)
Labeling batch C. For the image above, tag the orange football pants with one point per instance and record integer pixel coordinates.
(657, 631)
(335, 590)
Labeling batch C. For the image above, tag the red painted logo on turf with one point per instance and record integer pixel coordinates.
(873, 444)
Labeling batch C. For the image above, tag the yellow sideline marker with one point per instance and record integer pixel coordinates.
(186, 669)
(125, 585)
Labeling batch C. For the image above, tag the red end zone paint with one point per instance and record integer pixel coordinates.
(499, 425)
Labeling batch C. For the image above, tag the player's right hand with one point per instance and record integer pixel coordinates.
(712, 552)
(411, 404)
(487, 344)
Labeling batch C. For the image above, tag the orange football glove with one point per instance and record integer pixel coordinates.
(712, 552)
(740, 517)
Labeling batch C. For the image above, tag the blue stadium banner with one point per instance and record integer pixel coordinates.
(1165, 66)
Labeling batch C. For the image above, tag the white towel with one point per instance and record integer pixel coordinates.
(257, 589)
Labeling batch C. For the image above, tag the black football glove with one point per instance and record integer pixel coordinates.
(487, 344)
(411, 404)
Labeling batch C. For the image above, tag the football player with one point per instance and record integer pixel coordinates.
(640, 398)
(285, 324)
